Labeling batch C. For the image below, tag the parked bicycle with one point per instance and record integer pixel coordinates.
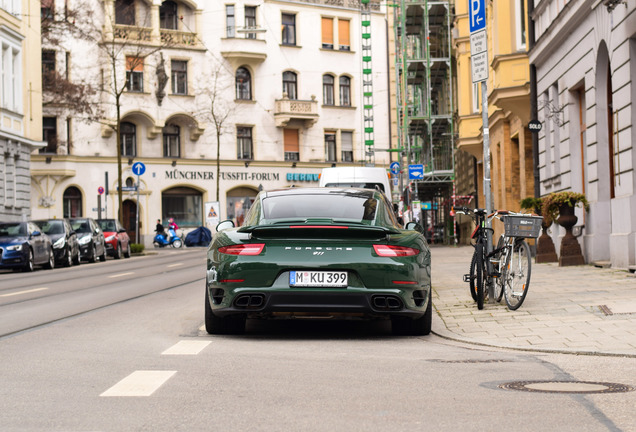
(503, 271)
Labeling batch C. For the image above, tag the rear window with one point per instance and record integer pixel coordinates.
(373, 186)
(107, 225)
(51, 227)
(81, 226)
(354, 207)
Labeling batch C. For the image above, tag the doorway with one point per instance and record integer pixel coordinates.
(129, 216)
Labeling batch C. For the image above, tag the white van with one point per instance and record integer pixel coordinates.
(363, 177)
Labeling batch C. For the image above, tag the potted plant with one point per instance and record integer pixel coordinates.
(546, 252)
(559, 207)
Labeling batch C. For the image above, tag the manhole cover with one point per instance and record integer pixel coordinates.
(567, 387)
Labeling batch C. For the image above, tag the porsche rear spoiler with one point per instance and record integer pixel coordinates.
(319, 229)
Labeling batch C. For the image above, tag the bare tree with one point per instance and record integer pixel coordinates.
(121, 50)
(216, 108)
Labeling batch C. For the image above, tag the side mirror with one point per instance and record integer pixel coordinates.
(36, 234)
(224, 225)
(414, 226)
(123, 230)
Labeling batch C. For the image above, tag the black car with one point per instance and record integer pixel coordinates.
(23, 245)
(64, 239)
(91, 239)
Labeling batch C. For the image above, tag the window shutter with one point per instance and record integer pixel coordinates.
(327, 31)
(346, 141)
(343, 33)
(291, 140)
(134, 64)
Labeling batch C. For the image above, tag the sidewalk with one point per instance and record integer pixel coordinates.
(578, 309)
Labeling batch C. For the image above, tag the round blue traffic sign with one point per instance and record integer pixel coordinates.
(138, 168)
(395, 168)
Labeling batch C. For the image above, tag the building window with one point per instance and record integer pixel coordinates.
(344, 41)
(346, 139)
(49, 134)
(168, 17)
(47, 10)
(520, 15)
(72, 202)
(125, 12)
(345, 91)
(243, 84)
(171, 141)
(250, 21)
(11, 65)
(135, 74)
(128, 138)
(289, 29)
(244, 143)
(327, 33)
(291, 144)
(290, 85)
(330, 147)
(48, 69)
(230, 21)
(327, 90)
(179, 77)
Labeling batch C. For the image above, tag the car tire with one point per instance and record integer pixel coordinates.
(232, 324)
(93, 256)
(405, 326)
(118, 251)
(102, 257)
(127, 253)
(68, 257)
(50, 264)
(29, 265)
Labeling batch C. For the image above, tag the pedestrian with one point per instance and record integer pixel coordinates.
(159, 229)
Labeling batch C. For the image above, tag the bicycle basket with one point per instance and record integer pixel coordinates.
(522, 226)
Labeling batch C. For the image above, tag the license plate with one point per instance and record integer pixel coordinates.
(318, 278)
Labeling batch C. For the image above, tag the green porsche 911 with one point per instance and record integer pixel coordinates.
(306, 252)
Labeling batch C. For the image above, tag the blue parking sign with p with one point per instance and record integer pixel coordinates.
(477, 10)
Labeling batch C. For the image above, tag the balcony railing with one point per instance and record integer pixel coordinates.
(132, 33)
(287, 110)
(178, 38)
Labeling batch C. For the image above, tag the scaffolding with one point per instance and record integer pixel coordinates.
(425, 103)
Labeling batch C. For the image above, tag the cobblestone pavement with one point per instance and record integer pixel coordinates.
(578, 309)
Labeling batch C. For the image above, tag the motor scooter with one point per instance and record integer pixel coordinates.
(172, 240)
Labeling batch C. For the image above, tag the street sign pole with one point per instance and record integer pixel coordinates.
(138, 168)
(137, 216)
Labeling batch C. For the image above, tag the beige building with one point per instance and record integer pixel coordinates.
(20, 104)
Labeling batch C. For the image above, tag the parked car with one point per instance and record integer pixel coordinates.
(65, 244)
(91, 239)
(23, 245)
(116, 237)
(329, 252)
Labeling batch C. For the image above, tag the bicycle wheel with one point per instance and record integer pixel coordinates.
(499, 266)
(480, 275)
(517, 274)
(472, 275)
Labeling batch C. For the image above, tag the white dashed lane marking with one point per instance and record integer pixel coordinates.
(121, 274)
(175, 265)
(23, 292)
(139, 383)
(186, 347)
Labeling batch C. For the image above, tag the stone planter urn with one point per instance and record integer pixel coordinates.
(546, 252)
(570, 251)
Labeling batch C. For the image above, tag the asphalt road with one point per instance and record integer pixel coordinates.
(119, 346)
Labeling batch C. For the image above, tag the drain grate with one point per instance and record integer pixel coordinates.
(570, 387)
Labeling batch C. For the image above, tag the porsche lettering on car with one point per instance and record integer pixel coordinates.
(327, 252)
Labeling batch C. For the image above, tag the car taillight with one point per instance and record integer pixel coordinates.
(394, 251)
(243, 249)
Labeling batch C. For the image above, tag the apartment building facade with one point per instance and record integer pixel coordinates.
(585, 60)
(252, 85)
(20, 104)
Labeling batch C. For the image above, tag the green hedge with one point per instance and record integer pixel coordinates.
(136, 248)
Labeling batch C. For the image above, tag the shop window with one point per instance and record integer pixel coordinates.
(288, 24)
(290, 84)
(168, 17)
(243, 84)
(72, 202)
(327, 89)
(125, 12)
(239, 201)
(184, 205)
(128, 138)
(172, 141)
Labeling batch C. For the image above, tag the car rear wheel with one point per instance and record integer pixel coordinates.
(77, 259)
(233, 324)
(28, 266)
(93, 256)
(102, 257)
(118, 251)
(68, 258)
(50, 264)
(127, 253)
(405, 326)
